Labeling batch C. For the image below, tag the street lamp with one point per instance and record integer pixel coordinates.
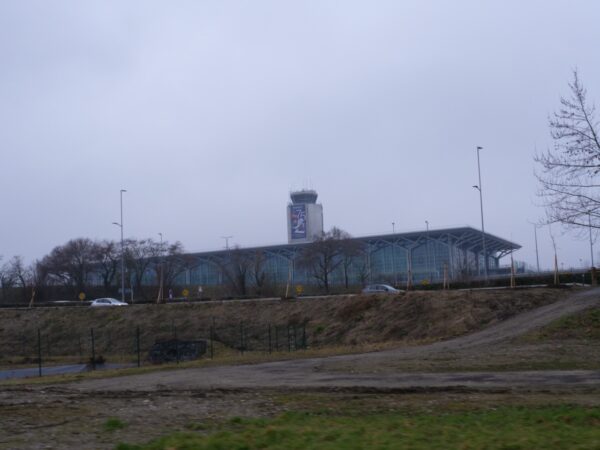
(226, 241)
(589, 213)
(427, 247)
(479, 188)
(393, 227)
(537, 255)
(162, 270)
(120, 225)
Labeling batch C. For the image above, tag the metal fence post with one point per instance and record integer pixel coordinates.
(93, 349)
(269, 339)
(39, 336)
(276, 339)
(212, 338)
(304, 335)
(289, 338)
(295, 340)
(242, 337)
(176, 342)
(137, 344)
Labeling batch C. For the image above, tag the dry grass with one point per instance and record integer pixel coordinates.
(334, 325)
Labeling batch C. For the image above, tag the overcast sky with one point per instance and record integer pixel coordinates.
(209, 112)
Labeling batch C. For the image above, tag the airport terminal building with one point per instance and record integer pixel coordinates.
(422, 256)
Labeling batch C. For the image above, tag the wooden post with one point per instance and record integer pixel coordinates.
(408, 270)
(39, 353)
(512, 272)
(32, 298)
(212, 338)
(289, 281)
(446, 285)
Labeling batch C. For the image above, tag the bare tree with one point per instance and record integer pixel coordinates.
(141, 257)
(22, 274)
(569, 171)
(72, 263)
(259, 273)
(38, 279)
(7, 279)
(174, 264)
(107, 257)
(352, 252)
(14, 274)
(323, 256)
(236, 266)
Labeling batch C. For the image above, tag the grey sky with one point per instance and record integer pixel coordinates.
(208, 113)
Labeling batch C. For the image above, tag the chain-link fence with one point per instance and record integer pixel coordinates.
(41, 353)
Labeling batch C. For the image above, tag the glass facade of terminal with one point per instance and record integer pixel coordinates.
(423, 256)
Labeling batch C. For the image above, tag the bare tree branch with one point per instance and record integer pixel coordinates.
(569, 173)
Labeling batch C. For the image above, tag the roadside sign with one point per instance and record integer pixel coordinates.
(299, 289)
(185, 293)
(82, 296)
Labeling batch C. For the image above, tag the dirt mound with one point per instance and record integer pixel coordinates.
(326, 321)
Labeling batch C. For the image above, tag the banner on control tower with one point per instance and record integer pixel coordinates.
(298, 221)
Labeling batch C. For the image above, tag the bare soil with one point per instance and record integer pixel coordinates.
(484, 368)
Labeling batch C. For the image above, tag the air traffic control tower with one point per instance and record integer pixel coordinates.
(304, 217)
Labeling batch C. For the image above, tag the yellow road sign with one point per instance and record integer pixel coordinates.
(82, 296)
(185, 293)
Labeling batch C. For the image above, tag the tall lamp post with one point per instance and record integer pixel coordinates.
(226, 241)
(537, 255)
(427, 248)
(589, 213)
(162, 271)
(120, 225)
(478, 187)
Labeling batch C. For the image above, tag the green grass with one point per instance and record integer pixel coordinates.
(585, 325)
(550, 427)
(113, 424)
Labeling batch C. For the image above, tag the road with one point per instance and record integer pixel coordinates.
(56, 370)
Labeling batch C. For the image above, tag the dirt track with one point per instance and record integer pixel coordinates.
(376, 370)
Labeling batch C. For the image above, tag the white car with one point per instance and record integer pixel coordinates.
(107, 302)
(380, 289)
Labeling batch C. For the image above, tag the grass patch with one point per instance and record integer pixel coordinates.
(585, 325)
(549, 427)
(113, 424)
